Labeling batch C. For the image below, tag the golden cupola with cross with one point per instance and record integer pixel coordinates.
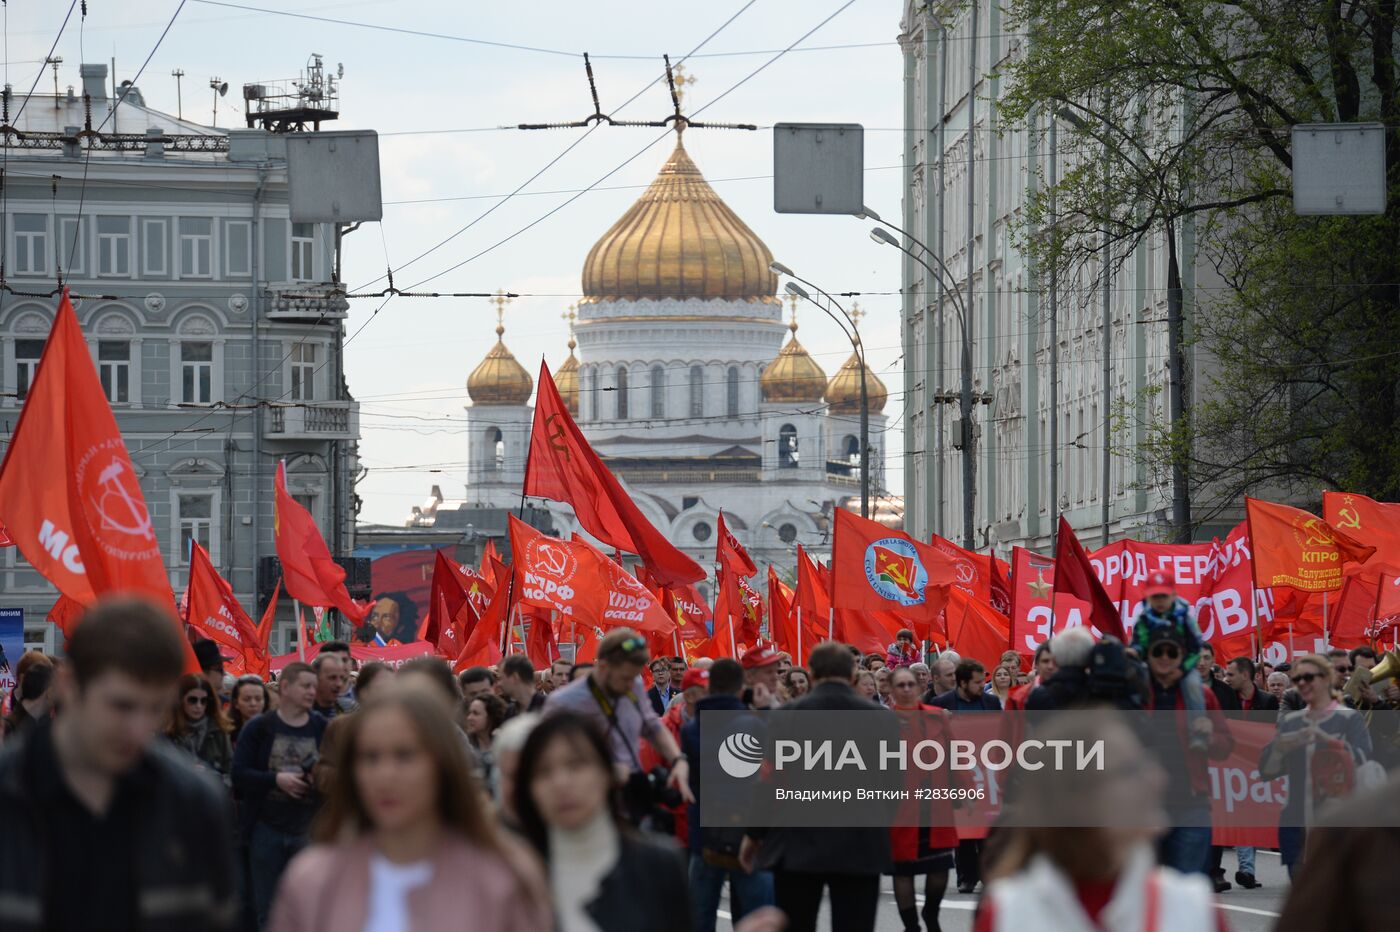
(843, 392)
(566, 376)
(679, 240)
(794, 376)
(500, 379)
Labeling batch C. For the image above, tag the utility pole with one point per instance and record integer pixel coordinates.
(177, 74)
(55, 61)
(1176, 360)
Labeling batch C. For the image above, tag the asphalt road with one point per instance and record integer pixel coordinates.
(1245, 910)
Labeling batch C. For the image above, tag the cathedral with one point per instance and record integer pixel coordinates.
(689, 382)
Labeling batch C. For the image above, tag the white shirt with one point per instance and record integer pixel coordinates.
(389, 886)
(578, 862)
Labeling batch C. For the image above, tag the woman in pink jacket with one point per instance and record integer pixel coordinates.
(406, 841)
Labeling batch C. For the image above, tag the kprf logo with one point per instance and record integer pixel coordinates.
(740, 755)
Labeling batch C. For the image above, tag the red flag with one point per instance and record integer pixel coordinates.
(1032, 600)
(782, 618)
(1296, 549)
(1074, 575)
(69, 496)
(65, 614)
(811, 606)
(1365, 520)
(875, 568)
(975, 629)
(483, 647)
(213, 611)
(451, 637)
(728, 639)
(580, 583)
(562, 466)
(729, 552)
(540, 644)
(5, 539)
(452, 585)
(264, 632)
(489, 558)
(311, 576)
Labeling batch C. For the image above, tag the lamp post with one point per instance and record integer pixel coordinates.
(965, 399)
(848, 327)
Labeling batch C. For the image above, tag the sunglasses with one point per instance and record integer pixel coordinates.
(632, 644)
(1341, 669)
(196, 699)
(1166, 650)
(1305, 678)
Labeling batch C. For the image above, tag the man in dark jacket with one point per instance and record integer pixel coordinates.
(105, 826)
(714, 850)
(966, 694)
(806, 861)
(1224, 694)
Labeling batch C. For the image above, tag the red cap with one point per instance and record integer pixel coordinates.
(1160, 582)
(761, 654)
(694, 677)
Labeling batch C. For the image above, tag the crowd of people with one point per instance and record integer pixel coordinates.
(363, 796)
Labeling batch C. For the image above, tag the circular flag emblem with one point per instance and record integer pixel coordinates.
(894, 571)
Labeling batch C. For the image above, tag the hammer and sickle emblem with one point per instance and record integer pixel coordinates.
(119, 510)
(1349, 518)
(554, 434)
(1317, 535)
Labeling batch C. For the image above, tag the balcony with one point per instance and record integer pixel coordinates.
(305, 302)
(325, 420)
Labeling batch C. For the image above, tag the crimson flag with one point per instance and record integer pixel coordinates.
(875, 568)
(540, 644)
(213, 611)
(69, 497)
(729, 552)
(782, 619)
(563, 467)
(311, 575)
(975, 629)
(5, 539)
(1296, 549)
(483, 646)
(1074, 575)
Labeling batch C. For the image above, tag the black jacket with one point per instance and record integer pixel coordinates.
(1065, 688)
(1229, 702)
(1264, 701)
(949, 701)
(180, 851)
(829, 850)
(648, 889)
(657, 703)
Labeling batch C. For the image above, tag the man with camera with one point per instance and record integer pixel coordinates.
(612, 695)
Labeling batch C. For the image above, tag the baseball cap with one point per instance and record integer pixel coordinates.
(208, 654)
(695, 678)
(1160, 582)
(1163, 635)
(761, 654)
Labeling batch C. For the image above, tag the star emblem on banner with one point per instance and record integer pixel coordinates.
(1040, 588)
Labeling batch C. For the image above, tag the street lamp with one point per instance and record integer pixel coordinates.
(880, 235)
(848, 327)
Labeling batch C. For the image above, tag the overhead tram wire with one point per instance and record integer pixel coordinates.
(567, 149)
(639, 152)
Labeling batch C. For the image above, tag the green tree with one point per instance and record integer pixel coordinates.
(1181, 113)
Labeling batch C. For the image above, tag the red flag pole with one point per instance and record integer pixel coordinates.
(1325, 642)
(301, 631)
(799, 634)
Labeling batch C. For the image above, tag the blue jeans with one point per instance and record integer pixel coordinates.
(1187, 849)
(747, 892)
(1245, 858)
(268, 853)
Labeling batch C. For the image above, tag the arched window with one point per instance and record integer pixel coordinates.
(495, 449)
(851, 446)
(697, 391)
(731, 386)
(658, 391)
(787, 447)
(622, 414)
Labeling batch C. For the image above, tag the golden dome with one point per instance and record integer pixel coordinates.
(566, 380)
(679, 240)
(793, 377)
(500, 379)
(843, 394)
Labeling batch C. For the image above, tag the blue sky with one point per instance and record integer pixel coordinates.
(409, 365)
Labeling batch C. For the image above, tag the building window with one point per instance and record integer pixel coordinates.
(787, 533)
(196, 523)
(113, 247)
(71, 251)
(155, 250)
(114, 369)
(697, 391)
(31, 244)
(495, 450)
(307, 500)
(238, 248)
(303, 251)
(197, 372)
(303, 372)
(27, 353)
(658, 391)
(701, 531)
(851, 446)
(622, 411)
(731, 391)
(787, 447)
(196, 247)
